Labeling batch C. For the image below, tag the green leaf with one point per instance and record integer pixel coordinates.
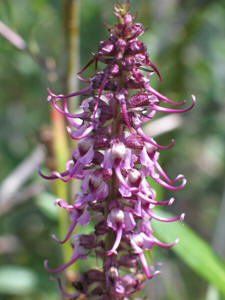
(193, 250)
(15, 280)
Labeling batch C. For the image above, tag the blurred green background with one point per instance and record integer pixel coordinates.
(186, 41)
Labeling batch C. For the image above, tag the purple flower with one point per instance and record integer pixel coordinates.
(114, 160)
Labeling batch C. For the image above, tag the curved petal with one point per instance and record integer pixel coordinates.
(76, 137)
(72, 226)
(125, 116)
(170, 187)
(164, 175)
(79, 253)
(144, 264)
(80, 92)
(160, 96)
(66, 113)
(158, 218)
(122, 181)
(62, 268)
(88, 64)
(157, 242)
(155, 69)
(171, 110)
(154, 202)
(151, 141)
(53, 176)
(117, 242)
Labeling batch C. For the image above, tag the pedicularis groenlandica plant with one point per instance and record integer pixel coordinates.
(114, 160)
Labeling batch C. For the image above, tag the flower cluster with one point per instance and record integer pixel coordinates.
(113, 159)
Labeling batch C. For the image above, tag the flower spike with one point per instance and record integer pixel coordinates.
(114, 159)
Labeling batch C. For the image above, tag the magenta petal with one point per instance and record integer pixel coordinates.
(60, 269)
(82, 200)
(124, 192)
(72, 226)
(171, 110)
(85, 218)
(146, 160)
(67, 114)
(117, 241)
(170, 187)
(158, 218)
(125, 116)
(144, 264)
(160, 244)
(77, 135)
(160, 96)
(154, 202)
(79, 253)
(82, 79)
(138, 208)
(127, 162)
(107, 162)
(102, 191)
(129, 221)
(110, 223)
(53, 176)
(155, 69)
(88, 64)
(148, 242)
(164, 175)
(80, 92)
(64, 204)
(88, 157)
(122, 181)
(151, 141)
(146, 189)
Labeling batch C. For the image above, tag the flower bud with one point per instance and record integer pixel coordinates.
(85, 145)
(113, 272)
(94, 182)
(106, 48)
(136, 30)
(128, 19)
(118, 152)
(134, 177)
(117, 216)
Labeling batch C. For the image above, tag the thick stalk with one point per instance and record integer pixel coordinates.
(71, 10)
(71, 29)
(72, 43)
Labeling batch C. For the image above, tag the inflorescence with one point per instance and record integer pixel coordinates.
(113, 159)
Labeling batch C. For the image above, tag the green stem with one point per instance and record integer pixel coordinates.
(72, 42)
(60, 145)
(71, 10)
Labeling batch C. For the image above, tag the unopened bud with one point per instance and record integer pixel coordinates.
(117, 215)
(118, 152)
(134, 177)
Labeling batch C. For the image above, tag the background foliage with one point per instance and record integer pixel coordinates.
(186, 41)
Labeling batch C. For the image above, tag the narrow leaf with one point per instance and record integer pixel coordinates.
(193, 250)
